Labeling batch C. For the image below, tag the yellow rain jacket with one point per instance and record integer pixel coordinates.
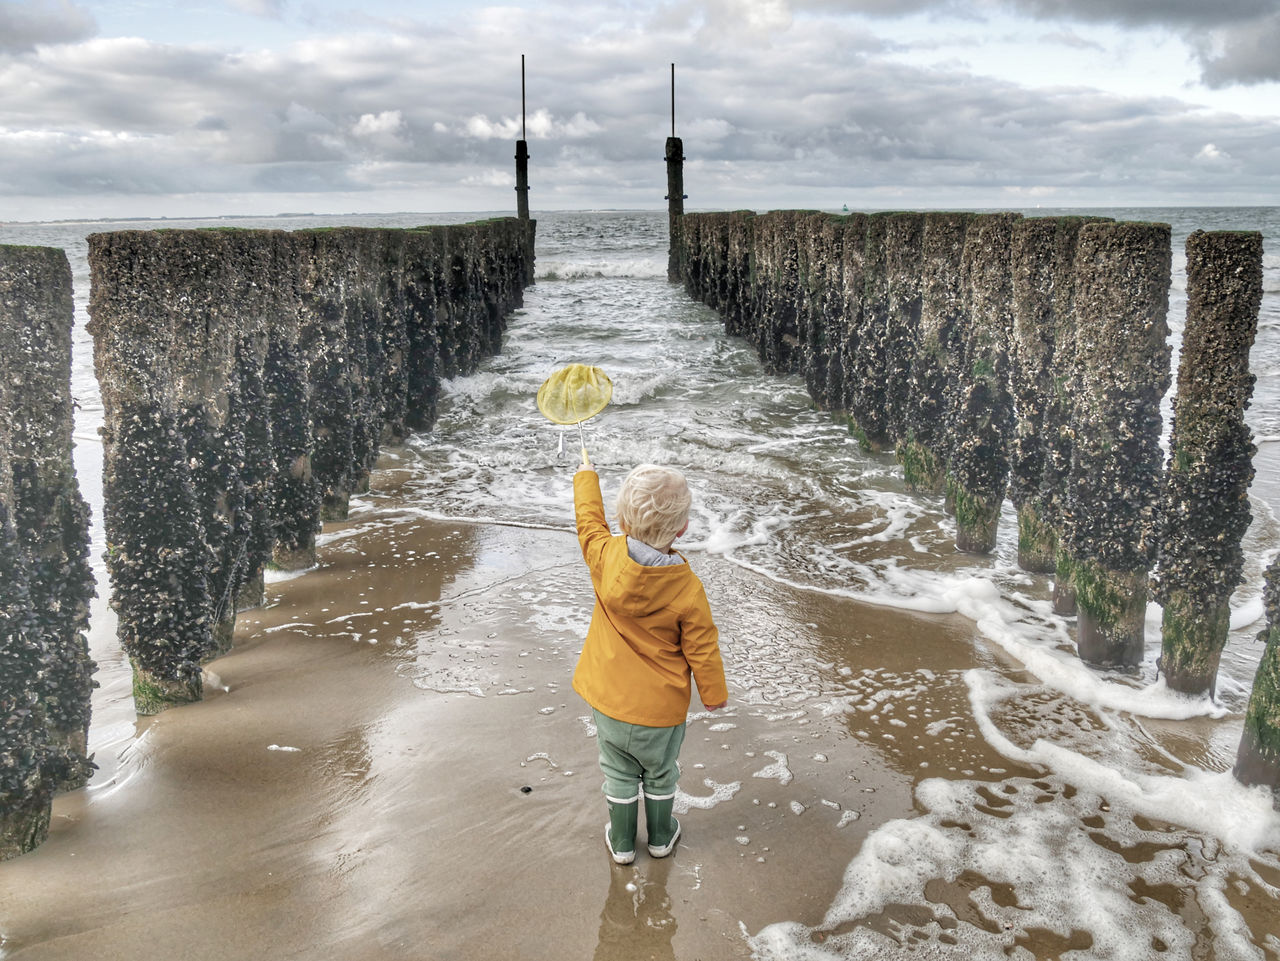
(650, 628)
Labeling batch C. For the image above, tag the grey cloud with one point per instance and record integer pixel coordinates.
(26, 25)
(1235, 41)
(1166, 13)
(1242, 54)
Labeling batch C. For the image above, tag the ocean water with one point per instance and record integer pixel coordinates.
(785, 495)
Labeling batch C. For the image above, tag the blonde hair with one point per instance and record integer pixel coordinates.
(653, 505)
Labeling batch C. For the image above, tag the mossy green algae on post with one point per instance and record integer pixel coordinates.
(1258, 757)
(1205, 509)
(1122, 360)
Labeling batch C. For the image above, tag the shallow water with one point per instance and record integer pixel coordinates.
(1021, 802)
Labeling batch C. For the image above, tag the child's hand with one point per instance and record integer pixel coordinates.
(715, 707)
(582, 467)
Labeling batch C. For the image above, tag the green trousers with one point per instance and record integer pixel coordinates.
(632, 754)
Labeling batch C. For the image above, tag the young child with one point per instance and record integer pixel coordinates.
(650, 629)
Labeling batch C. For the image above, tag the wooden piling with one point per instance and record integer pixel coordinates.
(931, 390)
(1122, 358)
(1258, 757)
(1205, 509)
(978, 465)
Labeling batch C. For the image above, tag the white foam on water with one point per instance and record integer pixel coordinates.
(1212, 803)
(552, 269)
(1073, 862)
(778, 769)
(720, 793)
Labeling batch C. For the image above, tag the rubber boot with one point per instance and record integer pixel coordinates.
(663, 829)
(620, 832)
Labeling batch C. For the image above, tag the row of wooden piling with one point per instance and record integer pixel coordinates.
(248, 379)
(1027, 358)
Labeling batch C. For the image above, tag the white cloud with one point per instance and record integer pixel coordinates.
(373, 125)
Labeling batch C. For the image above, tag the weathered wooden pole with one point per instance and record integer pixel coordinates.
(851, 309)
(1031, 372)
(1206, 499)
(156, 551)
(49, 517)
(1258, 758)
(867, 384)
(522, 157)
(293, 492)
(1122, 358)
(1058, 410)
(904, 234)
(26, 784)
(675, 188)
(978, 470)
(932, 389)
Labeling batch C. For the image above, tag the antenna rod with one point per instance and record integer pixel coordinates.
(673, 100)
(522, 126)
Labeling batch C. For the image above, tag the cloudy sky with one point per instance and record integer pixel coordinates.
(156, 107)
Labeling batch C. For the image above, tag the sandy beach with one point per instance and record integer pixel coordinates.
(358, 789)
(396, 766)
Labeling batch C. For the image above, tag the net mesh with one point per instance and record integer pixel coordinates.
(574, 394)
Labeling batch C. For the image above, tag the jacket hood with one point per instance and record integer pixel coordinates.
(637, 590)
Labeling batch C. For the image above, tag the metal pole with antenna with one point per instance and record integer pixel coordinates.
(522, 157)
(675, 190)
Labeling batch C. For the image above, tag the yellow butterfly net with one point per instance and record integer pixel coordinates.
(574, 394)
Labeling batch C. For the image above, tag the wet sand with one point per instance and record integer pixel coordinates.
(399, 768)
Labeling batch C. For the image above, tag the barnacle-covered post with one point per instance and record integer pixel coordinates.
(26, 782)
(741, 271)
(815, 256)
(851, 313)
(1056, 430)
(830, 315)
(933, 384)
(203, 282)
(1258, 758)
(868, 391)
(50, 519)
(325, 278)
(1030, 379)
(1122, 358)
(293, 492)
(1206, 497)
(156, 552)
(903, 235)
(424, 262)
(978, 469)
(782, 292)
